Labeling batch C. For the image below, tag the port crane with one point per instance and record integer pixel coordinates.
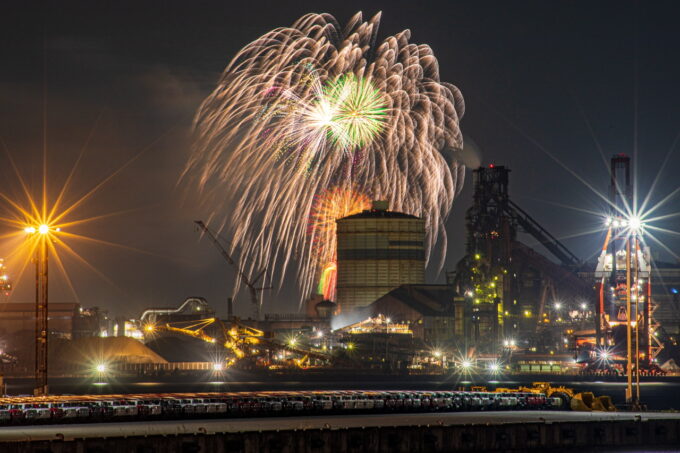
(249, 282)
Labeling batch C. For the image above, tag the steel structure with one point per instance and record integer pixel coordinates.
(495, 216)
(249, 282)
(41, 317)
(623, 280)
(192, 307)
(240, 339)
(506, 283)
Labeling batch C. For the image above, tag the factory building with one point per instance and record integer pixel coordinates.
(19, 318)
(512, 291)
(378, 250)
(434, 313)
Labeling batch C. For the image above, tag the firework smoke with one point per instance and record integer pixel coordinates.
(318, 106)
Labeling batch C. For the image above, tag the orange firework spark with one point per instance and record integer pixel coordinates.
(329, 206)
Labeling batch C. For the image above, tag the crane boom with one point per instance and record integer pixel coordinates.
(250, 284)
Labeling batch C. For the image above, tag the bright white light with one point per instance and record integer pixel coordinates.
(494, 367)
(217, 366)
(635, 223)
(608, 221)
(466, 364)
(43, 229)
(584, 306)
(388, 320)
(319, 334)
(29, 230)
(101, 368)
(616, 223)
(558, 305)
(437, 353)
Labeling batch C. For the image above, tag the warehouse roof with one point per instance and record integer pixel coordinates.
(429, 300)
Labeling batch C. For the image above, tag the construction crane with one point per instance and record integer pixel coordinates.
(250, 283)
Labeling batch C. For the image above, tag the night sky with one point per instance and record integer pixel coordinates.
(538, 77)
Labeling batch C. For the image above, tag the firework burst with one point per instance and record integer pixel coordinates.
(329, 206)
(316, 106)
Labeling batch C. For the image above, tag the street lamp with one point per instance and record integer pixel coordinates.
(41, 234)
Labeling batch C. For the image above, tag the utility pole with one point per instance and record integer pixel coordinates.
(637, 322)
(41, 309)
(629, 358)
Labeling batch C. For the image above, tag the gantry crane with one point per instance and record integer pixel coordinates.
(624, 306)
(623, 277)
(247, 281)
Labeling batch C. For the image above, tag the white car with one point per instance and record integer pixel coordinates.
(124, 408)
(215, 406)
(73, 409)
(34, 411)
(323, 402)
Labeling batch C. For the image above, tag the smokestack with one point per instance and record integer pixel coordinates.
(230, 308)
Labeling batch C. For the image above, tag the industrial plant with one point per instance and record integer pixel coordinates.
(506, 308)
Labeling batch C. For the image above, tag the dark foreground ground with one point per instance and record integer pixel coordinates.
(537, 431)
(658, 393)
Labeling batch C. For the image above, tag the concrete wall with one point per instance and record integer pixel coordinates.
(653, 435)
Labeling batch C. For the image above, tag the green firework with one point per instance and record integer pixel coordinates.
(359, 111)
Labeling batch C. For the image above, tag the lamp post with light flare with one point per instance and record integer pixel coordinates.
(43, 232)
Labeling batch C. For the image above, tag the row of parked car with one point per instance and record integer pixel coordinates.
(111, 408)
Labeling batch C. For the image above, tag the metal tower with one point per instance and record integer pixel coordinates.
(41, 317)
(624, 322)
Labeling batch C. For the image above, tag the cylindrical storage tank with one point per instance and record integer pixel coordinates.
(378, 250)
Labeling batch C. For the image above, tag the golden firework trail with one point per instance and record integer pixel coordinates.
(329, 206)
